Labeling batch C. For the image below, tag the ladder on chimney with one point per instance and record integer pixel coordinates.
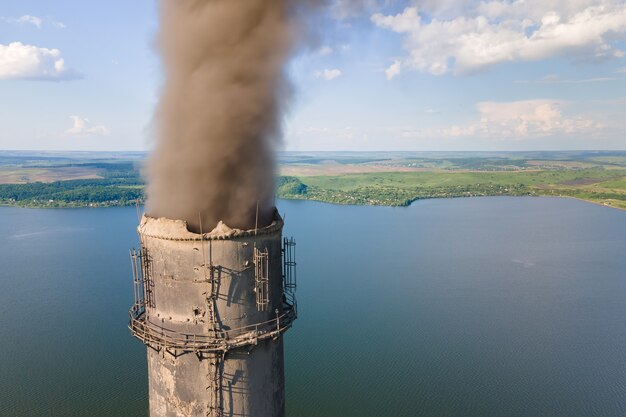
(142, 279)
(215, 377)
(289, 265)
(261, 278)
(148, 283)
(214, 324)
(212, 301)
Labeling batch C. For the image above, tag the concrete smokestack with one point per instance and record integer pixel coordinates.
(212, 309)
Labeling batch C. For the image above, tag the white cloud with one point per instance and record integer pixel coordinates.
(446, 9)
(393, 70)
(83, 127)
(495, 32)
(527, 118)
(328, 74)
(519, 120)
(621, 70)
(325, 50)
(33, 20)
(28, 62)
(407, 21)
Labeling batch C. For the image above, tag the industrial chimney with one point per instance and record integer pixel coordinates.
(212, 308)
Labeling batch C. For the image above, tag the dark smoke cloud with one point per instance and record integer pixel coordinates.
(220, 113)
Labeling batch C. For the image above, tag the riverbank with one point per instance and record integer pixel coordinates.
(606, 188)
(333, 199)
(373, 179)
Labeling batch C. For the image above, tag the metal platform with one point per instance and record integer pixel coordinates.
(156, 336)
(212, 339)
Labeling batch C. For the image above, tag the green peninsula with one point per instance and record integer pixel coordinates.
(371, 178)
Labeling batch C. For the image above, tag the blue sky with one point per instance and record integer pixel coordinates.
(379, 75)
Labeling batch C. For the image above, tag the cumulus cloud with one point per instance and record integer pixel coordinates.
(529, 118)
(83, 127)
(487, 33)
(526, 118)
(328, 74)
(28, 62)
(517, 120)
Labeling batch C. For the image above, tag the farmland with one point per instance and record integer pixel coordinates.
(391, 179)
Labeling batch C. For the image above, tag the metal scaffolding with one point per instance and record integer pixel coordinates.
(159, 337)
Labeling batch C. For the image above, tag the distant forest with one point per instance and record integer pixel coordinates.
(120, 185)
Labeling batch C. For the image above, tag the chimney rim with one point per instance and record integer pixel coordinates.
(170, 229)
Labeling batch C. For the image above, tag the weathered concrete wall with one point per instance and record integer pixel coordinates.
(252, 378)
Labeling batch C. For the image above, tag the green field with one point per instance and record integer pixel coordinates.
(399, 179)
(391, 179)
(399, 189)
(69, 181)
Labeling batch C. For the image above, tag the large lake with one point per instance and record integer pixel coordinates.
(470, 307)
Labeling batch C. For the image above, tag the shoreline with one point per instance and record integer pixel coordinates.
(583, 200)
(454, 198)
(99, 206)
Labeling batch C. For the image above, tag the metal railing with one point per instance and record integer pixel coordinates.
(159, 337)
(215, 339)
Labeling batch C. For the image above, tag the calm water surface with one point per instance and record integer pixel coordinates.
(469, 307)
